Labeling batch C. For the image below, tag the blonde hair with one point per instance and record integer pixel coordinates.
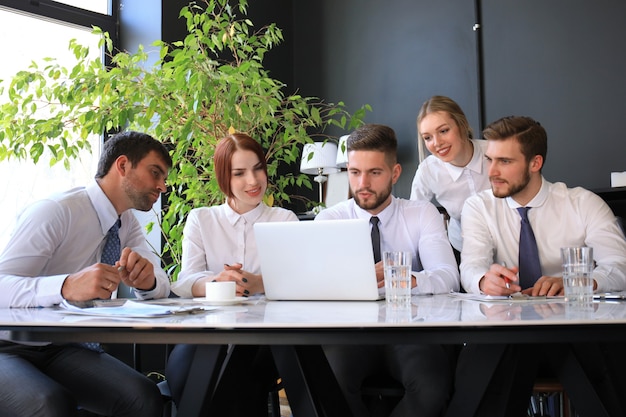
(441, 104)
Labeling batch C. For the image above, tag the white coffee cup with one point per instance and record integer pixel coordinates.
(220, 290)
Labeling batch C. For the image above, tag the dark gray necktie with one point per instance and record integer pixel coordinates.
(375, 238)
(112, 247)
(110, 254)
(529, 265)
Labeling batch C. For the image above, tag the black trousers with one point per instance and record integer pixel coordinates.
(518, 366)
(426, 372)
(244, 386)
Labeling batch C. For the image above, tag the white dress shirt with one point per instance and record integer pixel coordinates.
(62, 235)
(413, 226)
(560, 217)
(450, 185)
(214, 236)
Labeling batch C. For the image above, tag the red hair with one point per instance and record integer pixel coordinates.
(222, 158)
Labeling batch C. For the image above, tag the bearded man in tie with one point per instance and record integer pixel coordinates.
(425, 370)
(512, 237)
(82, 245)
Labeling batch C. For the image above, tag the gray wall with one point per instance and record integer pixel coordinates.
(560, 61)
(392, 55)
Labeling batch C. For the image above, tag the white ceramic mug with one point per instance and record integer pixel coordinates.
(220, 290)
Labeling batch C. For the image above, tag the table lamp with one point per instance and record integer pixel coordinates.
(342, 152)
(318, 158)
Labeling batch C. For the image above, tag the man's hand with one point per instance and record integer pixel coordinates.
(135, 270)
(380, 274)
(548, 286)
(496, 279)
(95, 281)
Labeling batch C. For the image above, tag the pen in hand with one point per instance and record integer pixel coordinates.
(507, 280)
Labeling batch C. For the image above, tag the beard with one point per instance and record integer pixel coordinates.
(513, 188)
(142, 201)
(375, 201)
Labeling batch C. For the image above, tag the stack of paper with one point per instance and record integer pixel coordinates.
(130, 309)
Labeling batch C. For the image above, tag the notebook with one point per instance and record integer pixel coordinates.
(317, 260)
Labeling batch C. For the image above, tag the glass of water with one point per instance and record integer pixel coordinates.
(397, 267)
(577, 274)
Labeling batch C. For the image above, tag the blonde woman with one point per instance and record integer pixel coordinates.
(456, 168)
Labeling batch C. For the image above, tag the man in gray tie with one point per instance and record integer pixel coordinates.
(518, 227)
(425, 370)
(56, 254)
(559, 217)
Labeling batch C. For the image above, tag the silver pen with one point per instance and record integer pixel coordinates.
(507, 281)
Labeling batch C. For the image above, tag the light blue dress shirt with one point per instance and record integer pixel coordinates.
(61, 235)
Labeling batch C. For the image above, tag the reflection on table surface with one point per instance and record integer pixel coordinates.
(438, 310)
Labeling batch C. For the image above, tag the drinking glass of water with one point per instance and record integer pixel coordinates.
(397, 267)
(577, 274)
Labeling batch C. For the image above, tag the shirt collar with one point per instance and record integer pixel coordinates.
(475, 164)
(537, 200)
(249, 217)
(384, 216)
(102, 205)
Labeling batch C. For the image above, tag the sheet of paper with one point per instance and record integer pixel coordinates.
(132, 309)
(505, 298)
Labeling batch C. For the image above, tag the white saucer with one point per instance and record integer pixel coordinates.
(220, 302)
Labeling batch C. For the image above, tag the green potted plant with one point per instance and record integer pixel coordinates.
(202, 87)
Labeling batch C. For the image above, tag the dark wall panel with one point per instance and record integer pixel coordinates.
(561, 62)
(392, 55)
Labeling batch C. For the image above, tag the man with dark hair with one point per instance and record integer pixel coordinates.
(495, 261)
(78, 246)
(425, 370)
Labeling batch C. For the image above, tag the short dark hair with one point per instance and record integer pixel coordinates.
(222, 158)
(374, 137)
(529, 133)
(134, 145)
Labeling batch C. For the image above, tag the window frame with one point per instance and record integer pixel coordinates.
(70, 14)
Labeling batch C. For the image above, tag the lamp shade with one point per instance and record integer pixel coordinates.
(319, 158)
(342, 152)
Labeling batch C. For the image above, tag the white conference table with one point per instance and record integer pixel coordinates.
(295, 330)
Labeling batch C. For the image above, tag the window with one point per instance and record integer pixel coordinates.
(42, 36)
(98, 6)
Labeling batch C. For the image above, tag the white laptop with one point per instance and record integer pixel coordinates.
(317, 260)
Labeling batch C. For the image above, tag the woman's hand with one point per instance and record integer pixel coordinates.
(247, 283)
